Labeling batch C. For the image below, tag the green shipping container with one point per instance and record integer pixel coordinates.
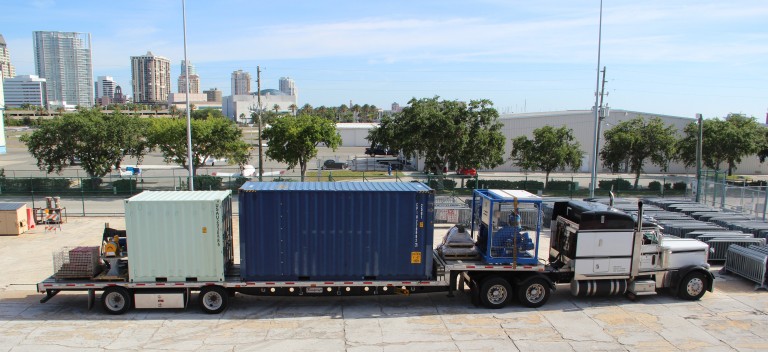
(179, 236)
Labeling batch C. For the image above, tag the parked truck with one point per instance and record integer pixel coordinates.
(319, 239)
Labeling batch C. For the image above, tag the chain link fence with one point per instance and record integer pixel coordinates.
(738, 193)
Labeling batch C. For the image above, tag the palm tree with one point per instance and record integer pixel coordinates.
(173, 110)
(60, 110)
(306, 109)
(276, 107)
(356, 111)
(293, 109)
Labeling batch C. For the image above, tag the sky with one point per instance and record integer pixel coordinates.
(663, 57)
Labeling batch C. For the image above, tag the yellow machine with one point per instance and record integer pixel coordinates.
(111, 247)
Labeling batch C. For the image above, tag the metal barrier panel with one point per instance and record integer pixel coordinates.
(747, 263)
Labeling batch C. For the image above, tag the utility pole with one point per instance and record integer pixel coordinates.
(699, 145)
(258, 102)
(602, 114)
(593, 178)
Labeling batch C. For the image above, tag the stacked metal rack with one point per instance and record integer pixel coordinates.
(719, 229)
(750, 263)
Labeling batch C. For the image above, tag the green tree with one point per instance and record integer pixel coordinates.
(550, 149)
(206, 114)
(276, 107)
(635, 141)
(294, 139)
(444, 132)
(211, 138)
(724, 141)
(293, 108)
(99, 140)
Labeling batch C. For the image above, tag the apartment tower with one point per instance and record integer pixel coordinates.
(64, 60)
(151, 79)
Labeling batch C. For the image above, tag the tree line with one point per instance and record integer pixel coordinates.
(444, 133)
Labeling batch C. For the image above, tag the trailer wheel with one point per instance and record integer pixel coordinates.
(213, 299)
(693, 286)
(495, 292)
(533, 293)
(116, 300)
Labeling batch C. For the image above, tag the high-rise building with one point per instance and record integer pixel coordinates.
(2, 111)
(5, 60)
(241, 83)
(287, 86)
(22, 90)
(64, 60)
(213, 95)
(192, 70)
(194, 84)
(105, 87)
(151, 79)
(194, 79)
(119, 98)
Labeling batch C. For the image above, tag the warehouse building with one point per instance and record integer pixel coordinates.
(582, 123)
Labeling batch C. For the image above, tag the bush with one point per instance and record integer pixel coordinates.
(656, 186)
(440, 184)
(618, 184)
(37, 184)
(124, 185)
(90, 184)
(282, 179)
(562, 185)
(528, 185)
(207, 183)
(680, 186)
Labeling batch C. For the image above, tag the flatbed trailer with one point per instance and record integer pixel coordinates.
(450, 276)
(595, 248)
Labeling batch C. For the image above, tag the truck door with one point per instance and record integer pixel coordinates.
(650, 250)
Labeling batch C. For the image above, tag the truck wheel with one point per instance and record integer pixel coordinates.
(693, 286)
(116, 300)
(495, 292)
(533, 293)
(213, 299)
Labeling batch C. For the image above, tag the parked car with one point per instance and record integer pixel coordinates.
(467, 172)
(331, 164)
(379, 150)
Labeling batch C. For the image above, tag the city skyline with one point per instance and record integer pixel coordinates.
(677, 58)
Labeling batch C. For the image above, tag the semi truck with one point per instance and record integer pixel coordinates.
(319, 239)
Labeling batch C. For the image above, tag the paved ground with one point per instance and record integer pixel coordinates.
(734, 317)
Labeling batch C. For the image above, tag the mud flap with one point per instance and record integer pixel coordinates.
(91, 298)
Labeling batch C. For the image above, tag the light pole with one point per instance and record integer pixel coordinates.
(189, 116)
(593, 179)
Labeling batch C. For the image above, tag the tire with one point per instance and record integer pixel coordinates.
(116, 300)
(213, 299)
(533, 293)
(692, 287)
(495, 292)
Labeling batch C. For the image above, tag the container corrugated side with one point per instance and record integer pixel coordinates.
(179, 236)
(336, 231)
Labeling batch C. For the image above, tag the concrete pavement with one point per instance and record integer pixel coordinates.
(734, 317)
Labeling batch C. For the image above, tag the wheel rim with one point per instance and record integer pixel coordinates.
(212, 300)
(695, 286)
(535, 293)
(115, 301)
(497, 294)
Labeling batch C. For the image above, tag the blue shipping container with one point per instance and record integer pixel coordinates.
(336, 231)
